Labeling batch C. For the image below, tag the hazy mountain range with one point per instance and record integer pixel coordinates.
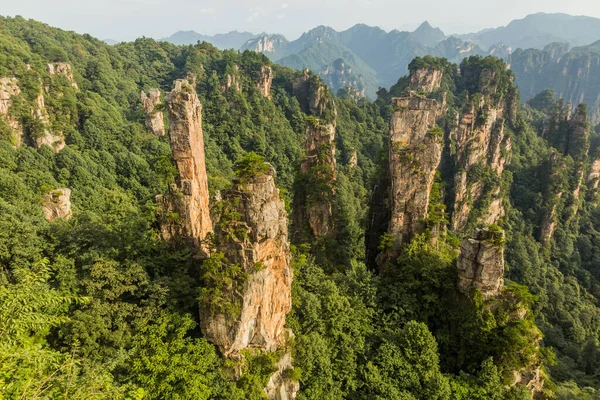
(365, 58)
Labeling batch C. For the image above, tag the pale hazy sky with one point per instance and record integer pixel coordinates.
(128, 19)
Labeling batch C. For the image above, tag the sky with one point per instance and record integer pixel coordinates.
(128, 19)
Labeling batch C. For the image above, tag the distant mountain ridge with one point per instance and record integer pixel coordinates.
(364, 58)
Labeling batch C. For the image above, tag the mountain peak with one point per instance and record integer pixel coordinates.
(427, 35)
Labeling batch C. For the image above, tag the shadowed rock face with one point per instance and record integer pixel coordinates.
(155, 122)
(481, 263)
(415, 153)
(53, 139)
(185, 211)
(320, 162)
(258, 242)
(57, 204)
(9, 88)
(480, 141)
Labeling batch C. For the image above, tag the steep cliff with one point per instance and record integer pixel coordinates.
(480, 264)
(184, 212)
(315, 187)
(8, 89)
(265, 81)
(415, 152)
(481, 146)
(56, 204)
(65, 69)
(44, 135)
(573, 74)
(155, 122)
(251, 230)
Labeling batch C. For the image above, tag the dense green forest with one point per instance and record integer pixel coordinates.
(100, 306)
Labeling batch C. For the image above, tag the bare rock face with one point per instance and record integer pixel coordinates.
(319, 163)
(185, 211)
(426, 79)
(265, 81)
(9, 88)
(155, 121)
(232, 81)
(415, 153)
(280, 387)
(61, 68)
(256, 241)
(481, 263)
(311, 94)
(480, 142)
(53, 139)
(57, 204)
(593, 179)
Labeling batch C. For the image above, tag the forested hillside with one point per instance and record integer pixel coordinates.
(180, 222)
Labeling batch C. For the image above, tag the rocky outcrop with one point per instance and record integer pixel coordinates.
(155, 122)
(414, 156)
(425, 79)
(8, 89)
(593, 179)
(319, 166)
(61, 68)
(46, 137)
(482, 150)
(184, 212)
(480, 264)
(232, 80)
(281, 386)
(265, 81)
(56, 204)
(313, 96)
(256, 240)
(553, 195)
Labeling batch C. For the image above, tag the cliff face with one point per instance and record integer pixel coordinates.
(573, 75)
(56, 204)
(256, 240)
(320, 165)
(8, 89)
(155, 122)
(481, 148)
(65, 69)
(185, 211)
(53, 139)
(414, 156)
(480, 264)
(265, 81)
(425, 79)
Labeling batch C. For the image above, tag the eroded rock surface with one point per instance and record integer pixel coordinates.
(57, 204)
(257, 241)
(155, 121)
(185, 213)
(46, 137)
(61, 68)
(482, 147)
(415, 154)
(480, 264)
(265, 81)
(426, 79)
(8, 89)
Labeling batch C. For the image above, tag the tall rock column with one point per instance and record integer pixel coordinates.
(249, 283)
(8, 89)
(314, 197)
(414, 156)
(482, 150)
(185, 211)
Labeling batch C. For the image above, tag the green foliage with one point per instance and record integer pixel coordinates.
(250, 166)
